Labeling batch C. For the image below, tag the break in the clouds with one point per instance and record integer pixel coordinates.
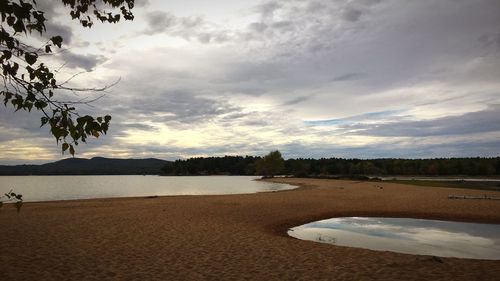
(318, 78)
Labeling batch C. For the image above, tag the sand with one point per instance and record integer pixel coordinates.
(231, 237)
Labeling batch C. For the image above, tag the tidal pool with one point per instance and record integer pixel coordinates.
(410, 236)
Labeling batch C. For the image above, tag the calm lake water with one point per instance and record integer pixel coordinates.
(49, 188)
(411, 236)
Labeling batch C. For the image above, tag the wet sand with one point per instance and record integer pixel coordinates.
(231, 237)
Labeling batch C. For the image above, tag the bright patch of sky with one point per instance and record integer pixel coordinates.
(317, 78)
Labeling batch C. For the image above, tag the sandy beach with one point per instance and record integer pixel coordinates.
(231, 237)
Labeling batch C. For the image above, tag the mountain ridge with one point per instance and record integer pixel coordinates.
(85, 166)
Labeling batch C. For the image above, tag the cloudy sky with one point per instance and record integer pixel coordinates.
(318, 78)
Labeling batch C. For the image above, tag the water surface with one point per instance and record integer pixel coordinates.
(411, 236)
(49, 188)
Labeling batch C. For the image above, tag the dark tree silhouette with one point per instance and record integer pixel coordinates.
(270, 165)
(300, 167)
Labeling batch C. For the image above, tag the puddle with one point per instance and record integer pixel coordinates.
(403, 235)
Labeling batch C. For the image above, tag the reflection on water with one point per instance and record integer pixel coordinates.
(411, 236)
(48, 188)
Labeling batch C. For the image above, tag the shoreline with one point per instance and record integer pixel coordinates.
(224, 237)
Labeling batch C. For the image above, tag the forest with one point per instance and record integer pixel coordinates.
(302, 167)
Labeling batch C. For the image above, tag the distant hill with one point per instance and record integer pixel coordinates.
(94, 166)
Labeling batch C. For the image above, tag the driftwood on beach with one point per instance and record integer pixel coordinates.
(485, 197)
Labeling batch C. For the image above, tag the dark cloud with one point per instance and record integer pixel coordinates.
(159, 21)
(351, 14)
(268, 9)
(348, 77)
(182, 107)
(257, 26)
(51, 10)
(393, 150)
(55, 29)
(138, 126)
(188, 28)
(87, 62)
(297, 100)
(141, 3)
(490, 40)
(470, 123)
(359, 119)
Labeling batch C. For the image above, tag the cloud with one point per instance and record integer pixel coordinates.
(470, 123)
(159, 21)
(297, 100)
(348, 77)
(56, 29)
(142, 3)
(351, 14)
(369, 117)
(268, 9)
(180, 108)
(87, 62)
(319, 78)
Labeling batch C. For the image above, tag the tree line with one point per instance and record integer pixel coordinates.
(270, 165)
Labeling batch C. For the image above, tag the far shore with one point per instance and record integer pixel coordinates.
(232, 237)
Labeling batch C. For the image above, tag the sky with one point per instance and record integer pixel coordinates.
(318, 78)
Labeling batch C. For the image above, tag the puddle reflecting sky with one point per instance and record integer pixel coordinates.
(412, 236)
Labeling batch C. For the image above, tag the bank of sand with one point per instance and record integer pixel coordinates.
(232, 237)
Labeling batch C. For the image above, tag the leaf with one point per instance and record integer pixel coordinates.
(44, 121)
(19, 26)
(8, 96)
(7, 54)
(72, 150)
(30, 58)
(65, 147)
(29, 106)
(57, 40)
(11, 20)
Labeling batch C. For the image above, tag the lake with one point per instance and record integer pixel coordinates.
(411, 236)
(50, 188)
